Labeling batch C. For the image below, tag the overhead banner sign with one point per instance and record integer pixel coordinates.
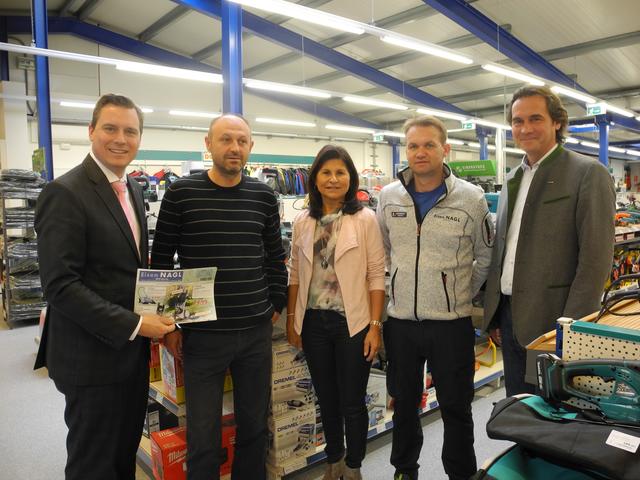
(474, 168)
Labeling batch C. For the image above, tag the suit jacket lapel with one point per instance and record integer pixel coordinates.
(513, 185)
(108, 196)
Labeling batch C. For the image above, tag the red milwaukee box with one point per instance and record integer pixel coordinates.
(228, 443)
(168, 454)
(154, 362)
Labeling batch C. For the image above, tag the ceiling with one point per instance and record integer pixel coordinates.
(587, 44)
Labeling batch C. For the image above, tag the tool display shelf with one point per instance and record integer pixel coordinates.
(15, 308)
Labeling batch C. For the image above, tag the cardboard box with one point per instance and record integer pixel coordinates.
(291, 383)
(285, 356)
(155, 372)
(376, 390)
(300, 401)
(172, 376)
(158, 418)
(168, 454)
(292, 435)
(228, 443)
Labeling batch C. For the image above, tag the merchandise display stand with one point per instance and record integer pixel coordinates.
(21, 288)
(484, 376)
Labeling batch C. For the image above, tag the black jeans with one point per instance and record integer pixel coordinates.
(339, 372)
(448, 348)
(207, 355)
(514, 355)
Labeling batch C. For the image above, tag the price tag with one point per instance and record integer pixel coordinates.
(623, 441)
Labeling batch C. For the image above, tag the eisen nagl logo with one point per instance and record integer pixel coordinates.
(450, 218)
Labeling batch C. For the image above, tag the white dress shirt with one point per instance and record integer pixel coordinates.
(506, 280)
(112, 177)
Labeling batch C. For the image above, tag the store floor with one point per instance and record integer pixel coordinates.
(32, 430)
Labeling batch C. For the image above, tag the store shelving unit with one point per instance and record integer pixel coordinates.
(484, 376)
(21, 289)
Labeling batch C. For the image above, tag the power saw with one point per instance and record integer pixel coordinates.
(556, 384)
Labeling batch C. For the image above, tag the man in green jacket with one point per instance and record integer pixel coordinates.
(554, 234)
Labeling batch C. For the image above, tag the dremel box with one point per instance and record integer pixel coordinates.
(290, 383)
(286, 356)
(292, 435)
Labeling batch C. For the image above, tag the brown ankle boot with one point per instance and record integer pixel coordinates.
(351, 473)
(334, 471)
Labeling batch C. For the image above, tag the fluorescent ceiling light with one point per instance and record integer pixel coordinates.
(427, 48)
(160, 70)
(389, 133)
(514, 150)
(477, 145)
(186, 113)
(65, 103)
(45, 52)
(507, 72)
(634, 153)
(349, 128)
(590, 144)
(281, 87)
(616, 149)
(488, 123)
(454, 141)
(374, 102)
(618, 110)
(439, 113)
(638, 119)
(571, 140)
(584, 126)
(305, 14)
(567, 92)
(146, 109)
(292, 123)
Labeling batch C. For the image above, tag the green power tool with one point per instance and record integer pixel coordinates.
(555, 382)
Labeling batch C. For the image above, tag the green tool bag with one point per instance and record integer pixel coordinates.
(568, 438)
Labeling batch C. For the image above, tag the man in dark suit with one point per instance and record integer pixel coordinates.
(554, 235)
(92, 236)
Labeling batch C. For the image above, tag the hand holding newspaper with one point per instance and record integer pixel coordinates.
(185, 296)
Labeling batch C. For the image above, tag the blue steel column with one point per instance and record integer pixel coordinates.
(603, 125)
(484, 145)
(4, 55)
(395, 158)
(40, 33)
(231, 57)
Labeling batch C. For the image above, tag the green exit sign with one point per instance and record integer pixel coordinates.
(468, 125)
(596, 109)
(378, 137)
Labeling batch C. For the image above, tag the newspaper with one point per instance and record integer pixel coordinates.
(185, 296)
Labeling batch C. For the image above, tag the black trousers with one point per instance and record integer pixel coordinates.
(514, 355)
(448, 348)
(339, 371)
(206, 356)
(105, 425)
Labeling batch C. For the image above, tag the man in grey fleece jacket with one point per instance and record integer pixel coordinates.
(438, 236)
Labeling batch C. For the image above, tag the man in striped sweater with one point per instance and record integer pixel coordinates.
(225, 219)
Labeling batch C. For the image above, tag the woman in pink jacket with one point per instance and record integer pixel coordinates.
(336, 296)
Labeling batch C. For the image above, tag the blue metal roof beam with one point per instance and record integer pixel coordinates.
(486, 29)
(69, 25)
(284, 37)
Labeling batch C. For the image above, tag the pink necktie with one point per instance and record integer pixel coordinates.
(121, 188)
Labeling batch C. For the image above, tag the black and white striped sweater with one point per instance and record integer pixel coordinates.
(236, 229)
